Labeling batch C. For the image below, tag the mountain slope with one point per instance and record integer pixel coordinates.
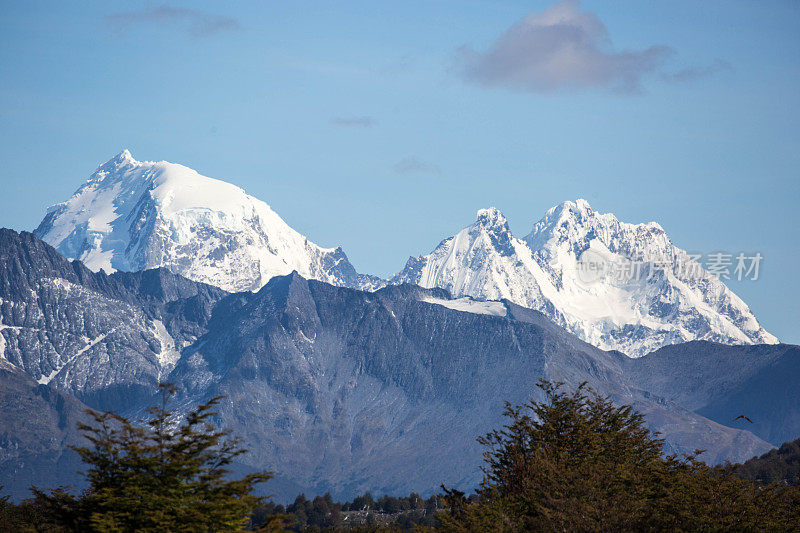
(336, 389)
(135, 215)
(670, 300)
(722, 382)
(105, 339)
(387, 391)
(37, 424)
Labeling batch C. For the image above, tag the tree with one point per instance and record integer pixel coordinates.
(167, 475)
(575, 462)
(779, 465)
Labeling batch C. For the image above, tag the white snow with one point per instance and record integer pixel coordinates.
(133, 215)
(468, 305)
(2, 338)
(305, 337)
(44, 380)
(169, 355)
(485, 261)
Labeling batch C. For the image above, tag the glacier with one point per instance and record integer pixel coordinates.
(542, 271)
(134, 215)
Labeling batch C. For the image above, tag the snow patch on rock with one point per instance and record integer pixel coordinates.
(468, 305)
(91, 343)
(168, 355)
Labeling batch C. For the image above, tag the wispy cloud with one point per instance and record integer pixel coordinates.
(560, 48)
(412, 165)
(696, 73)
(354, 122)
(197, 23)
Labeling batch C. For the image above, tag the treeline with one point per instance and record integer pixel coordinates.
(781, 465)
(323, 513)
(574, 462)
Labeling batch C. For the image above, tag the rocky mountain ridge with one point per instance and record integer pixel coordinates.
(336, 389)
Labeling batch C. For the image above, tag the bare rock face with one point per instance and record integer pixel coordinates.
(108, 340)
(37, 426)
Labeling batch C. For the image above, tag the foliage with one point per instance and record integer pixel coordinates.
(168, 475)
(575, 462)
(781, 465)
(363, 513)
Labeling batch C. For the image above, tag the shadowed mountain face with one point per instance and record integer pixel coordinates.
(37, 424)
(333, 388)
(105, 339)
(722, 382)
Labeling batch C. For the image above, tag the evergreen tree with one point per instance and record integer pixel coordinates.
(781, 465)
(157, 477)
(578, 463)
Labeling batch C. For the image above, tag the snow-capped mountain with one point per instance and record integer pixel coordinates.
(346, 390)
(616, 285)
(133, 215)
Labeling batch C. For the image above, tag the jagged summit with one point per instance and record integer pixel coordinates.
(491, 225)
(579, 206)
(132, 215)
(579, 211)
(491, 218)
(543, 271)
(124, 155)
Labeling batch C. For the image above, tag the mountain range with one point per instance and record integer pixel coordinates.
(344, 382)
(132, 215)
(334, 388)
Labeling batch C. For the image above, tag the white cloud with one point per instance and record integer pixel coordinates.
(561, 48)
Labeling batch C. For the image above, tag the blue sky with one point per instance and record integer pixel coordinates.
(384, 126)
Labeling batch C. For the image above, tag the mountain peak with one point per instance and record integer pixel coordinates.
(491, 218)
(633, 315)
(579, 208)
(133, 215)
(494, 223)
(114, 165)
(579, 205)
(122, 158)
